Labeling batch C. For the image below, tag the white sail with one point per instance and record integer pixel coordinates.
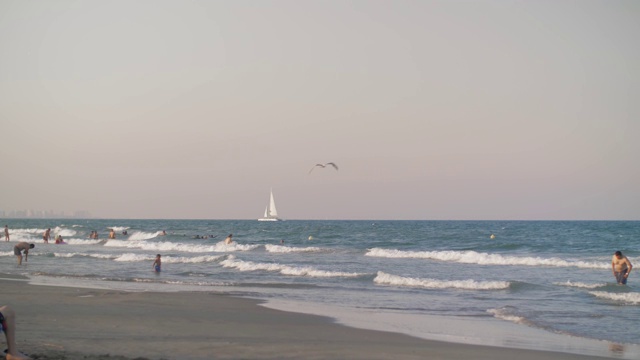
(270, 212)
(272, 206)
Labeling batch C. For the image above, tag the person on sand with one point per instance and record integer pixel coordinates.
(229, 239)
(621, 267)
(157, 264)
(8, 326)
(46, 235)
(22, 246)
(6, 233)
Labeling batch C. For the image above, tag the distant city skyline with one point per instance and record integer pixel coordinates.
(44, 214)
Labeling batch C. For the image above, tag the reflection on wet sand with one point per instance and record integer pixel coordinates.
(616, 348)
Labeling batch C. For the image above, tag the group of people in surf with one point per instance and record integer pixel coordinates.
(47, 235)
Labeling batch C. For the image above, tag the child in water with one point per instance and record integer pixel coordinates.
(157, 264)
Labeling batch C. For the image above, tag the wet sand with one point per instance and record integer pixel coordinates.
(74, 323)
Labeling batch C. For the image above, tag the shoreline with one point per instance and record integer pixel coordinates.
(55, 323)
(465, 331)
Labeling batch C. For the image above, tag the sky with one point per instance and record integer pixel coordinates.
(433, 110)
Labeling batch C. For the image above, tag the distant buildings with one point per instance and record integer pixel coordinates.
(45, 214)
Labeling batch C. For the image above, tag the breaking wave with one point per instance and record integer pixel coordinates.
(388, 279)
(168, 259)
(167, 246)
(473, 257)
(232, 262)
(141, 235)
(580, 284)
(289, 249)
(507, 313)
(632, 298)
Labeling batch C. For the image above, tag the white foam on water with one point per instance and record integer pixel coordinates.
(24, 231)
(166, 246)
(141, 235)
(65, 255)
(232, 262)
(388, 279)
(133, 257)
(289, 249)
(473, 257)
(631, 298)
(118, 229)
(192, 260)
(581, 285)
(506, 314)
(130, 257)
(64, 232)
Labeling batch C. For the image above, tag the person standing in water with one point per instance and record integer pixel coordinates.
(621, 267)
(46, 235)
(229, 239)
(6, 233)
(157, 264)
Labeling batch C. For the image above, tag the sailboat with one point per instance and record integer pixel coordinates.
(270, 212)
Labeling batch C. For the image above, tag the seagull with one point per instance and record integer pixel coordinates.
(324, 165)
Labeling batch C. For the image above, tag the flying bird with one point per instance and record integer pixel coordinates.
(324, 165)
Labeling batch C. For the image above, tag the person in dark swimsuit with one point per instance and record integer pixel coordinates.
(157, 264)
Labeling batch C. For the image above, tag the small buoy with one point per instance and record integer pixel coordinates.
(492, 236)
(310, 237)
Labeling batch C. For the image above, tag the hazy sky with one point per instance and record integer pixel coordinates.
(432, 109)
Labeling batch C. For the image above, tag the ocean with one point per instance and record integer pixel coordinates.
(533, 284)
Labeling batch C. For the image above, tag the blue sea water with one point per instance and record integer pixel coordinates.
(551, 276)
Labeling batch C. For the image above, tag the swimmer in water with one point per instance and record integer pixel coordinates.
(229, 239)
(157, 264)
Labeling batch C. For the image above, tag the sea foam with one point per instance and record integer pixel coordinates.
(580, 284)
(388, 279)
(232, 262)
(172, 246)
(64, 232)
(141, 235)
(76, 241)
(473, 257)
(632, 298)
(130, 257)
(506, 314)
(289, 249)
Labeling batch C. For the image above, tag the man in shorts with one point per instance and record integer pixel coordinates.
(19, 248)
(46, 235)
(621, 267)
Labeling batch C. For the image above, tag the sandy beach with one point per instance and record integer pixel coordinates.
(77, 323)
